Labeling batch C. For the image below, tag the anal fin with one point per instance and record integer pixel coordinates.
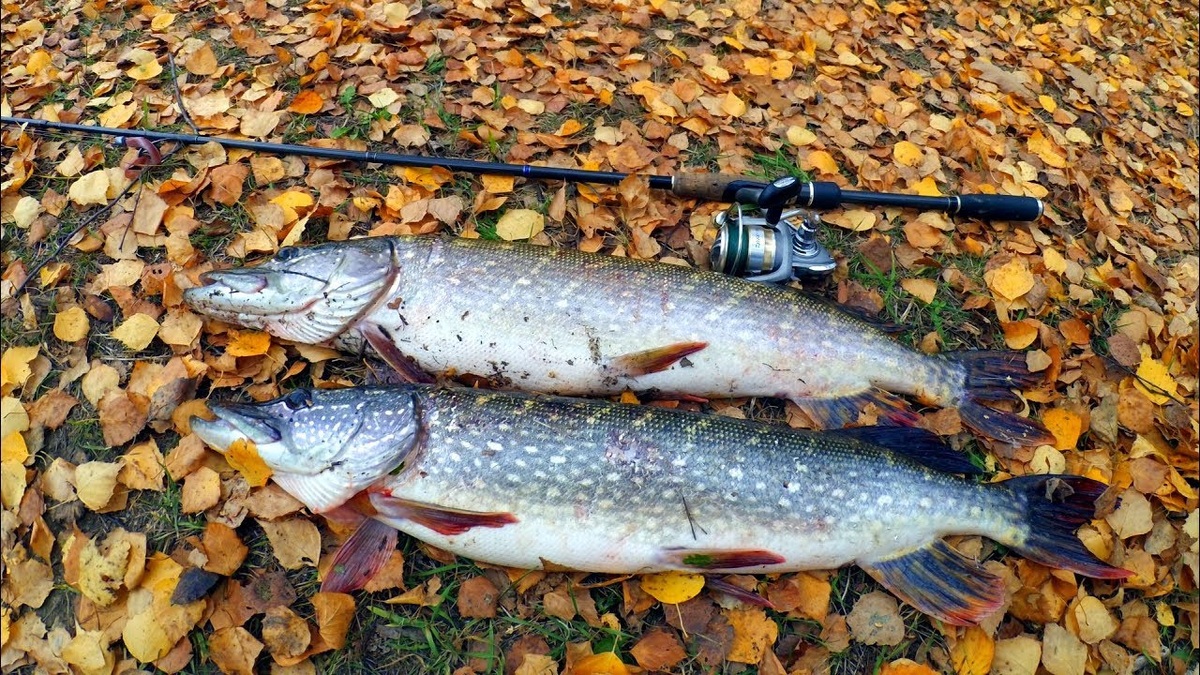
(440, 519)
(391, 354)
(653, 360)
(835, 413)
(942, 583)
(721, 559)
(360, 557)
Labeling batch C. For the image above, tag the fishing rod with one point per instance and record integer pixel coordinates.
(779, 245)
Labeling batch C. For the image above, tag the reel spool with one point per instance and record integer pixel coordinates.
(753, 248)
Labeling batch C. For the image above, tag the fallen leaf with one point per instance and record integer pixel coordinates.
(1017, 656)
(477, 598)
(1065, 425)
(1063, 653)
(136, 332)
(1153, 378)
(923, 289)
(15, 367)
(71, 324)
(1011, 280)
(875, 620)
(234, 650)
(604, 663)
(1133, 516)
(658, 650)
(753, 634)
(243, 456)
(285, 635)
(295, 542)
(1019, 334)
(855, 220)
(972, 652)
(519, 224)
(672, 587)
(95, 483)
(90, 189)
(145, 66)
(333, 614)
(224, 549)
(907, 153)
(201, 490)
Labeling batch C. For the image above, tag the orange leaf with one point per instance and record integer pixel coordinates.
(907, 153)
(822, 161)
(972, 653)
(334, 611)
(249, 343)
(1019, 334)
(604, 663)
(906, 667)
(1011, 280)
(1065, 425)
(243, 456)
(753, 634)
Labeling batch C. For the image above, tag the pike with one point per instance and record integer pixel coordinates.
(565, 322)
(533, 482)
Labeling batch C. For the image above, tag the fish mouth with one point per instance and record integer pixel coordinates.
(239, 280)
(236, 421)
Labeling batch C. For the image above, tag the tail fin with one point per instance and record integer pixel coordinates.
(991, 376)
(1055, 506)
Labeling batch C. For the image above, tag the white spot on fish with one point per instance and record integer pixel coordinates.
(453, 281)
(562, 304)
(792, 487)
(493, 445)
(735, 473)
(976, 511)
(558, 459)
(614, 476)
(784, 502)
(521, 463)
(679, 461)
(531, 449)
(454, 456)
(467, 445)
(926, 502)
(838, 494)
(523, 282)
(512, 478)
(884, 500)
(802, 468)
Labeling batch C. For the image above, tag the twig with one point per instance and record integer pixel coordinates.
(178, 97)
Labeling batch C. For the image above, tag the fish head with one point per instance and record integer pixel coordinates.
(323, 446)
(308, 294)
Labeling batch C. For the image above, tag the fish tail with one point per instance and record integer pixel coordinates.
(1055, 507)
(991, 376)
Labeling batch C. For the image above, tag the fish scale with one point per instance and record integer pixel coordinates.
(561, 321)
(532, 481)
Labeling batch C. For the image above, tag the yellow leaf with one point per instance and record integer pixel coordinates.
(520, 224)
(430, 179)
(673, 587)
(384, 97)
(924, 289)
(71, 324)
(568, 128)
(733, 106)
(1048, 104)
(604, 663)
(161, 21)
(13, 417)
(1065, 425)
(781, 69)
(334, 611)
(800, 136)
(1048, 150)
(1184, 109)
(294, 199)
(822, 161)
(145, 66)
(927, 187)
(37, 62)
(12, 484)
(973, 652)
(855, 220)
(136, 332)
(15, 368)
(498, 185)
(753, 634)
(907, 153)
(1012, 280)
(531, 106)
(95, 483)
(249, 343)
(26, 211)
(755, 66)
(1153, 378)
(1054, 261)
(91, 188)
(13, 448)
(244, 457)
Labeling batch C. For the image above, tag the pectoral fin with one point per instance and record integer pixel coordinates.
(835, 413)
(383, 345)
(713, 559)
(654, 360)
(360, 558)
(438, 518)
(941, 582)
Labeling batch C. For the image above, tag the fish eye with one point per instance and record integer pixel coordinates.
(298, 399)
(287, 254)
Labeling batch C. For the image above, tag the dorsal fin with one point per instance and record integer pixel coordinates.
(919, 445)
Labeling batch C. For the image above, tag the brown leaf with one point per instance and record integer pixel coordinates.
(526, 644)
(285, 635)
(224, 549)
(120, 418)
(333, 611)
(477, 598)
(658, 650)
(234, 650)
(875, 620)
(296, 542)
(201, 490)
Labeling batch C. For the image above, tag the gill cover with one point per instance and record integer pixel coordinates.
(324, 446)
(307, 294)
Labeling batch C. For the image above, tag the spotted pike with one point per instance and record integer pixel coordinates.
(561, 321)
(527, 481)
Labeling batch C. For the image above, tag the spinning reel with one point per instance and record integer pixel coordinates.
(776, 247)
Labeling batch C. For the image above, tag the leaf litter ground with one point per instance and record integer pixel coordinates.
(126, 542)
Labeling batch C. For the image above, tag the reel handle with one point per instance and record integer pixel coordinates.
(717, 187)
(998, 207)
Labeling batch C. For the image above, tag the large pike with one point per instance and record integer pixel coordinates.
(561, 321)
(527, 481)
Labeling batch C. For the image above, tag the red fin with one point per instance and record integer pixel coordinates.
(941, 582)
(440, 519)
(734, 591)
(391, 354)
(360, 558)
(655, 360)
(835, 413)
(706, 559)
